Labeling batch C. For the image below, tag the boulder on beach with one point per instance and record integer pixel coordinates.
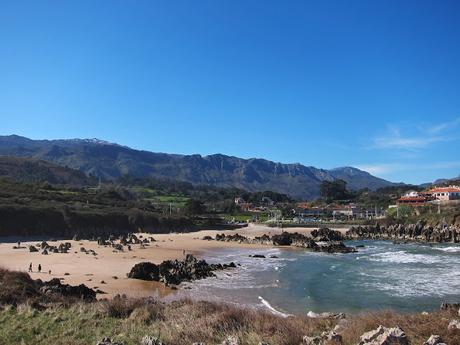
(145, 271)
(54, 286)
(173, 272)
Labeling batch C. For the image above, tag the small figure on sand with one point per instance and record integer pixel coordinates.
(30, 267)
(39, 268)
(49, 272)
(19, 244)
(183, 252)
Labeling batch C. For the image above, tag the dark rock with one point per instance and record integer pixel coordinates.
(145, 271)
(401, 233)
(173, 272)
(450, 306)
(108, 341)
(326, 235)
(54, 286)
(232, 238)
(259, 256)
(33, 249)
(334, 247)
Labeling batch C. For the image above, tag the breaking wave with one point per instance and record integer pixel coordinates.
(272, 310)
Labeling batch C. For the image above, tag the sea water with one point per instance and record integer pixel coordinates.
(382, 275)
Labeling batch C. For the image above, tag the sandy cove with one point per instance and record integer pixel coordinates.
(107, 270)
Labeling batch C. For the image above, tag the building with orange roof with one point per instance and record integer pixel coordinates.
(445, 193)
(415, 198)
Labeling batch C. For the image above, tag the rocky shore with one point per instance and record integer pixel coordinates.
(174, 272)
(321, 240)
(412, 232)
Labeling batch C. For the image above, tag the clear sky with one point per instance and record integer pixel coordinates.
(372, 84)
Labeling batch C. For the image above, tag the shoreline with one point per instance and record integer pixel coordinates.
(108, 269)
(92, 270)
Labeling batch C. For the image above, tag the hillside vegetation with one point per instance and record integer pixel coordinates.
(42, 209)
(31, 170)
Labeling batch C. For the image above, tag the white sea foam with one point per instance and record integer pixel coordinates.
(243, 277)
(402, 257)
(453, 249)
(272, 310)
(390, 271)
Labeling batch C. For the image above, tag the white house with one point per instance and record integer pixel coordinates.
(446, 193)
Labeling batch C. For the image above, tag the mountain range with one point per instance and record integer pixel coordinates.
(109, 161)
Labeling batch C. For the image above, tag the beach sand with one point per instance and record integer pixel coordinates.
(108, 269)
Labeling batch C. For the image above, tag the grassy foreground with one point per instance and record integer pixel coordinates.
(30, 316)
(185, 322)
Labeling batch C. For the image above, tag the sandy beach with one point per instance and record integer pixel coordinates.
(107, 270)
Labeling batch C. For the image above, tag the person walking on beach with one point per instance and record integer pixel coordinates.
(30, 267)
(39, 268)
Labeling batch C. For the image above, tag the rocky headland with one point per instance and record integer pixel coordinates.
(413, 232)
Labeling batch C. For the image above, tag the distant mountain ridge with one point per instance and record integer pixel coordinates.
(107, 160)
(29, 170)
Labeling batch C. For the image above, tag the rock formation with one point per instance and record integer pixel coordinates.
(323, 240)
(414, 232)
(175, 271)
(384, 336)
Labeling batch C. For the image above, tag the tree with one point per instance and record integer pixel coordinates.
(334, 190)
(193, 206)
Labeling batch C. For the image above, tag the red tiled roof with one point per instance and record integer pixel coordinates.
(412, 198)
(445, 190)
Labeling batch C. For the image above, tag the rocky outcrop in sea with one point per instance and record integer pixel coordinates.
(321, 240)
(412, 232)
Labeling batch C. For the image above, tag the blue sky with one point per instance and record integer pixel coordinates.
(372, 84)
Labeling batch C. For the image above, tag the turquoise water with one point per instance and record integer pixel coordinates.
(382, 275)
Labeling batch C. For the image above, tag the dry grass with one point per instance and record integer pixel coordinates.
(185, 322)
(16, 287)
(418, 327)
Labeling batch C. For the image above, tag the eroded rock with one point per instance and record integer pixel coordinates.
(453, 325)
(384, 336)
(151, 340)
(231, 340)
(434, 340)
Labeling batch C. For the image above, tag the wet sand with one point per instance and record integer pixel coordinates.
(107, 270)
